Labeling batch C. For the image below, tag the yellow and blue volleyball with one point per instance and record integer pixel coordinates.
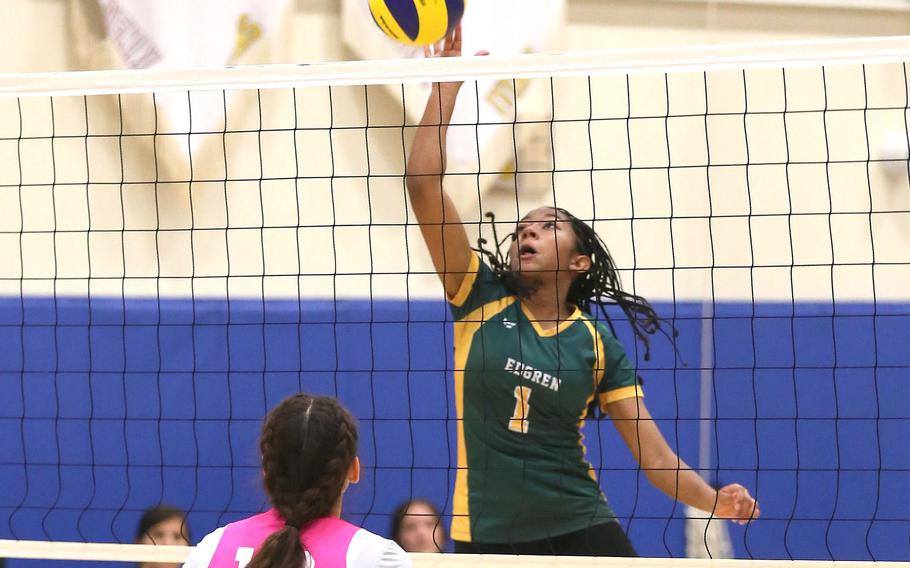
(417, 22)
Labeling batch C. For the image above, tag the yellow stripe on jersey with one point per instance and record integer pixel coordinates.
(621, 393)
(467, 283)
(581, 439)
(606, 398)
(597, 375)
(465, 330)
(553, 330)
(598, 355)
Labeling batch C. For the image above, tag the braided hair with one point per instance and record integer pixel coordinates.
(307, 444)
(599, 286)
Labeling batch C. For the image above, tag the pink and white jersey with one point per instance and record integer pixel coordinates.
(329, 543)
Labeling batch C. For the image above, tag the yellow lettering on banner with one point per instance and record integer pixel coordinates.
(248, 32)
(508, 170)
(504, 92)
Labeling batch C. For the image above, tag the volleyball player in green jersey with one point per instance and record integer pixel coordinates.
(530, 361)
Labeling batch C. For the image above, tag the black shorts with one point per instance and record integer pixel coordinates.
(607, 539)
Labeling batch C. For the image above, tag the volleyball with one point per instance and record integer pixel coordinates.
(417, 22)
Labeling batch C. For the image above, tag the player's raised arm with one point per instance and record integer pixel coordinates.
(666, 471)
(439, 221)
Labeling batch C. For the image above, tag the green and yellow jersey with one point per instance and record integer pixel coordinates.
(521, 396)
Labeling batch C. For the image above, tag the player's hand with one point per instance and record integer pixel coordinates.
(449, 46)
(735, 503)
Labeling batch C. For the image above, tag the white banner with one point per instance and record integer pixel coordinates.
(180, 33)
(177, 33)
(501, 27)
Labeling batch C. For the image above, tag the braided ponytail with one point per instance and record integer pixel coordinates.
(308, 444)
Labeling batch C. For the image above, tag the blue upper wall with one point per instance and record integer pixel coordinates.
(109, 407)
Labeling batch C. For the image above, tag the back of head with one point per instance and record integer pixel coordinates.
(307, 444)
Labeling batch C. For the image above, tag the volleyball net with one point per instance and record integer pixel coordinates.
(181, 249)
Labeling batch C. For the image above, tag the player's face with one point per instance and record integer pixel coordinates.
(543, 244)
(170, 532)
(420, 530)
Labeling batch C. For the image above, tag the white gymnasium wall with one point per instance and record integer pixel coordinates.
(337, 259)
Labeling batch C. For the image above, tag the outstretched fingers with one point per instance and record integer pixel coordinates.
(448, 46)
(456, 38)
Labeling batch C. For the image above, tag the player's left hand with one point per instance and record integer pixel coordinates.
(735, 503)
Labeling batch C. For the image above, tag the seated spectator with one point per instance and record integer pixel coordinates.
(162, 525)
(417, 527)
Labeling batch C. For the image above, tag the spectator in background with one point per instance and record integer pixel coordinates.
(163, 525)
(417, 527)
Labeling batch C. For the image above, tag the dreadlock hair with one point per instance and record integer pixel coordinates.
(307, 444)
(600, 286)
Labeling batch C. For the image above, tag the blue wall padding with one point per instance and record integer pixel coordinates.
(109, 407)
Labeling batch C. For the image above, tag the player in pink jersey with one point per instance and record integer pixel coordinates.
(309, 457)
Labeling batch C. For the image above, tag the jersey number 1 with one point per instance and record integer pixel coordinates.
(244, 556)
(519, 420)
